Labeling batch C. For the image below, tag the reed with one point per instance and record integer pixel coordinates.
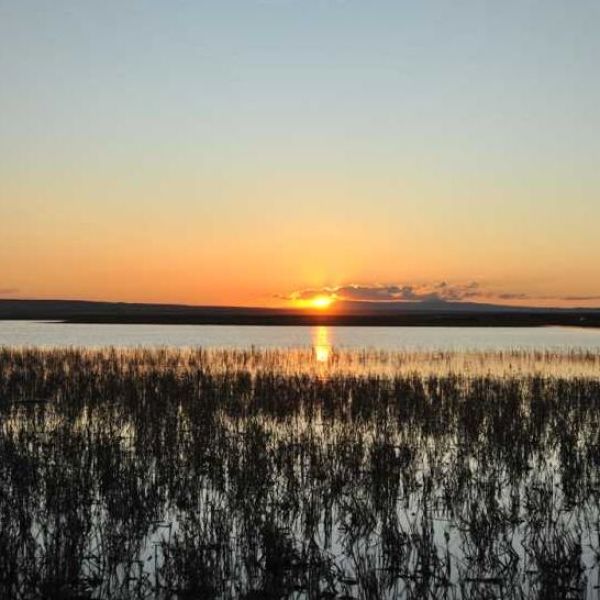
(274, 474)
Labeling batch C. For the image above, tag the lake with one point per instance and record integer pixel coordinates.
(56, 334)
(446, 462)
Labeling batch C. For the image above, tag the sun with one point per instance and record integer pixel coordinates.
(321, 302)
(317, 302)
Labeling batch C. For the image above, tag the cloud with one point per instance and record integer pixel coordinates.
(437, 292)
(579, 298)
(513, 296)
(441, 291)
(8, 291)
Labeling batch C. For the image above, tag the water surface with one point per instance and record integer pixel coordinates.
(322, 338)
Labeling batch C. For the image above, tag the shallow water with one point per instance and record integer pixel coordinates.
(220, 474)
(35, 333)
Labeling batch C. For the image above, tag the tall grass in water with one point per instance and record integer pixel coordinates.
(271, 474)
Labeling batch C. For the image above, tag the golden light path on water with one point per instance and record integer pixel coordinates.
(321, 341)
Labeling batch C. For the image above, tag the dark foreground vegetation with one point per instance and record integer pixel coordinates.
(159, 474)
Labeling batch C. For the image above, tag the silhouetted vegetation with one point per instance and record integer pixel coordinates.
(267, 474)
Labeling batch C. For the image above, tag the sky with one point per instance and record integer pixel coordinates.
(260, 152)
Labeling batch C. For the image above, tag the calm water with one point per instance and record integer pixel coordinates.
(33, 333)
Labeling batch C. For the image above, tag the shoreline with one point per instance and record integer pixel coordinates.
(518, 320)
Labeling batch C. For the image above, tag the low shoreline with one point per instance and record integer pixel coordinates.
(412, 320)
(349, 315)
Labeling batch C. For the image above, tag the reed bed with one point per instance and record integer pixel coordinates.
(277, 474)
(318, 361)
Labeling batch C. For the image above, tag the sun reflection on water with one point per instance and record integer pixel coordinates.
(321, 339)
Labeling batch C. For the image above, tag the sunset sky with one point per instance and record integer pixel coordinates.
(262, 152)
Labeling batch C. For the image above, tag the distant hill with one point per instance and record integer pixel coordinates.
(76, 309)
(437, 306)
(341, 313)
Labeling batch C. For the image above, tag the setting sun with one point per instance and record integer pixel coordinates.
(320, 301)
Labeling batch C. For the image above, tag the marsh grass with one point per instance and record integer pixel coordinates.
(273, 474)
